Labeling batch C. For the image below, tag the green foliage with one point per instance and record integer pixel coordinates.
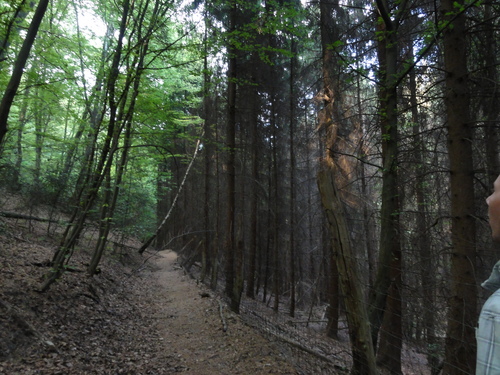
(50, 120)
(135, 214)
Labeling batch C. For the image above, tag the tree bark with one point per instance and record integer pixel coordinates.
(92, 114)
(15, 23)
(350, 278)
(427, 271)
(462, 315)
(215, 248)
(489, 104)
(20, 63)
(254, 196)
(22, 121)
(124, 118)
(388, 276)
(208, 155)
(276, 207)
(293, 50)
(330, 123)
(88, 191)
(230, 244)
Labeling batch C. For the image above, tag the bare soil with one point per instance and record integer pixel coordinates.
(203, 335)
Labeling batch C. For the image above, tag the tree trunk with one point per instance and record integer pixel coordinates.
(357, 317)
(275, 207)
(333, 295)
(330, 124)
(111, 195)
(92, 116)
(269, 219)
(15, 23)
(215, 248)
(427, 270)
(388, 276)
(23, 120)
(489, 105)
(20, 63)
(40, 121)
(89, 190)
(207, 114)
(293, 50)
(462, 315)
(254, 196)
(230, 244)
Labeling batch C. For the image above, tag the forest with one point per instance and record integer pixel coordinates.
(305, 154)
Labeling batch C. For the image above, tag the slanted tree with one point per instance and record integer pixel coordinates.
(343, 257)
(19, 65)
(89, 191)
(12, 27)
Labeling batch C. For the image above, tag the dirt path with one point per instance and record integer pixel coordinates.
(191, 327)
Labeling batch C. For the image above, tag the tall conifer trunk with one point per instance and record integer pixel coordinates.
(427, 271)
(208, 123)
(232, 284)
(385, 303)
(254, 196)
(462, 314)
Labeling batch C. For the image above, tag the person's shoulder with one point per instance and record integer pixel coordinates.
(492, 304)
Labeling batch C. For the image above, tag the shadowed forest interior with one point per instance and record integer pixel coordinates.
(328, 156)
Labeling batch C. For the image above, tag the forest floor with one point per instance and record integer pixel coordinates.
(143, 315)
(135, 317)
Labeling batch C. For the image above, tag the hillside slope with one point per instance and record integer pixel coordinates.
(140, 315)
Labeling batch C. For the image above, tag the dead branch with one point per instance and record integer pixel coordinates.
(14, 215)
(304, 348)
(152, 238)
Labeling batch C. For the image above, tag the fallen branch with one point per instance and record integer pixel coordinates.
(14, 215)
(300, 345)
(221, 312)
(304, 348)
(307, 321)
(151, 239)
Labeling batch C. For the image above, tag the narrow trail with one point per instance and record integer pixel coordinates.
(191, 327)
